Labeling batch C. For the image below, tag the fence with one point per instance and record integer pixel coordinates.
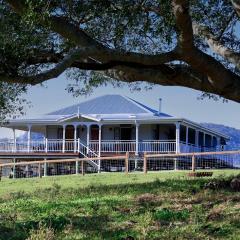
(123, 163)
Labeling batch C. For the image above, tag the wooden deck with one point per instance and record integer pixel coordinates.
(37, 155)
(54, 155)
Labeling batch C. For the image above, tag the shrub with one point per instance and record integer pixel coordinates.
(224, 183)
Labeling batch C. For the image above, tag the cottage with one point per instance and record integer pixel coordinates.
(112, 124)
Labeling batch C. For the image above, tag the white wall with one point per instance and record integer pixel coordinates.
(52, 132)
(163, 132)
(82, 130)
(146, 132)
(108, 132)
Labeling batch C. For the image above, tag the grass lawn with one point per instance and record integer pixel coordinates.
(163, 205)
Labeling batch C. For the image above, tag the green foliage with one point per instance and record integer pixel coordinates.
(126, 25)
(12, 102)
(169, 215)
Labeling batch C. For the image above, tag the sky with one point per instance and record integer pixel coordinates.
(176, 101)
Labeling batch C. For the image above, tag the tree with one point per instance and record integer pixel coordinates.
(193, 44)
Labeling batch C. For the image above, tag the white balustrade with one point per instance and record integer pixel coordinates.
(158, 146)
(113, 146)
(107, 146)
(192, 148)
(130, 146)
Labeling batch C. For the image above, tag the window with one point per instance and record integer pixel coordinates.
(183, 130)
(191, 135)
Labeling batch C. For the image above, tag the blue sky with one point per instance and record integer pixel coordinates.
(177, 101)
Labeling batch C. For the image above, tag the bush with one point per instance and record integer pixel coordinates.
(232, 182)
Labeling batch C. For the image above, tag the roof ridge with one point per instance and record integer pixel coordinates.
(137, 103)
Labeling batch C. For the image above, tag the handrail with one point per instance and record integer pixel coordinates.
(193, 153)
(64, 160)
(133, 141)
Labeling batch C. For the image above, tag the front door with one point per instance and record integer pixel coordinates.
(94, 133)
(126, 133)
(69, 132)
(69, 135)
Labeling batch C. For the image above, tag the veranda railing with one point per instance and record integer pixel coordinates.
(107, 146)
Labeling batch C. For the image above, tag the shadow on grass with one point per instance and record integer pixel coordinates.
(172, 185)
(95, 225)
(59, 208)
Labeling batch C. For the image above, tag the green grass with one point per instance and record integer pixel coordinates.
(163, 205)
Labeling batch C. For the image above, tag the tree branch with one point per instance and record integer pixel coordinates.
(207, 74)
(223, 80)
(100, 52)
(182, 75)
(236, 6)
(216, 46)
(184, 24)
(60, 67)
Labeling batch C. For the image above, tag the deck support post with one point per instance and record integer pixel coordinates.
(126, 162)
(63, 140)
(193, 163)
(14, 168)
(29, 138)
(175, 164)
(177, 137)
(82, 167)
(39, 170)
(99, 146)
(135, 164)
(145, 163)
(45, 168)
(77, 167)
(137, 138)
(27, 171)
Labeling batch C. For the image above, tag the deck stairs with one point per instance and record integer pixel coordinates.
(86, 152)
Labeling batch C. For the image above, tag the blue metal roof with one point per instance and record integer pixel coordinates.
(107, 104)
(151, 110)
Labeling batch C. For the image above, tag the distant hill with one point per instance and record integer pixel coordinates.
(34, 136)
(233, 133)
(23, 137)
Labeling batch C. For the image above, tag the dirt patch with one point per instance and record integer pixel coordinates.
(215, 215)
(147, 198)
